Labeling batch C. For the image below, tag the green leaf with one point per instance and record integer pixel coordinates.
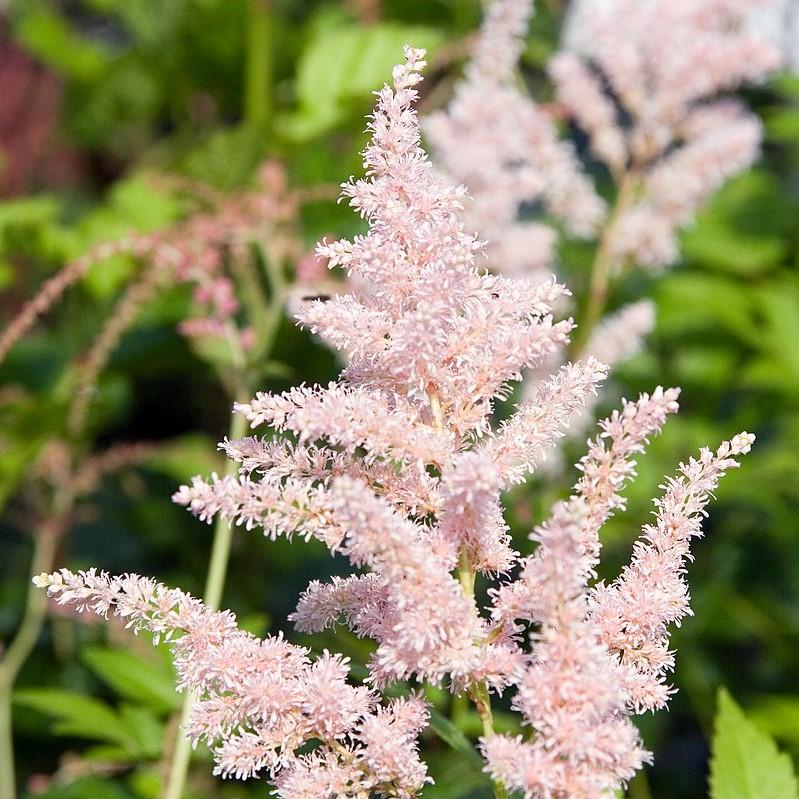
(146, 728)
(87, 788)
(29, 211)
(77, 715)
(746, 763)
(783, 125)
(50, 37)
(182, 458)
(228, 158)
(454, 737)
(688, 301)
(346, 64)
(133, 677)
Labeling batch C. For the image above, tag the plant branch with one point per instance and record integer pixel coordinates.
(212, 597)
(21, 646)
(605, 263)
(258, 66)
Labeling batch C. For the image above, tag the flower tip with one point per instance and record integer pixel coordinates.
(742, 443)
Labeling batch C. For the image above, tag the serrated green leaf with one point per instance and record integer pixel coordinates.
(746, 763)
(77, 715)
(133, 677)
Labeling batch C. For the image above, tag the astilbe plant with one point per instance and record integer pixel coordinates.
(398, 467)
(653, 113)
(641, 79)
(219, 251)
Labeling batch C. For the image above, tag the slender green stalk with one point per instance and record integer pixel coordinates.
(212, 596)
(604, 263)
(258, 65)
(223, 531)
(479, 695)
(478, 692)
(30, 627)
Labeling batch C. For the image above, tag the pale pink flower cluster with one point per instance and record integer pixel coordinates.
(431, 344)
(399, 467)
(641, 78)
(259, 701)
(197, 252)
(642, 82)
(506, 150)
(494, 139)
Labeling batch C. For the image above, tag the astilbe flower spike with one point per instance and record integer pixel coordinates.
(398, 467)
(641, 77)
(398, 441)
(505, 149)
(261, 700)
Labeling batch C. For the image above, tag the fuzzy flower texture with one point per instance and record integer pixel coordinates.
(644, 80)
(398, 467)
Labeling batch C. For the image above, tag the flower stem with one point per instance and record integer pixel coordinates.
(223, 531)
(478, 692)
(479, 695)
(604, 263)
(30, 627)
(258, 66)
(212, 597)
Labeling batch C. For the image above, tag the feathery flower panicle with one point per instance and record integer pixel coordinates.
(505, 149)
(635, 611)
(381, 464)
(650, 111)
(398, 467)
(262, 700)
(586, 676)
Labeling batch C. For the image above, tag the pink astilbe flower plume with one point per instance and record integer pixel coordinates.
(505, 149)
(400, 467)
(595, 660)
(651, 111)
(633, 613)
(261, 700)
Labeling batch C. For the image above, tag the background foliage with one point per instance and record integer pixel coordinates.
(106, 100)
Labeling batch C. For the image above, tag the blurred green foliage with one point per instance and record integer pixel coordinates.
(184, 88)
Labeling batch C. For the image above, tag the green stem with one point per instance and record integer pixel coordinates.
(25, 639)
(639, 787)
(212, 597)
(258, 66)
(466, 574)
(479, 695)
(478, 692)
(604, 264)
(223, 531)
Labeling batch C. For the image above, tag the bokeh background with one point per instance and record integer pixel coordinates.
(129, 115)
